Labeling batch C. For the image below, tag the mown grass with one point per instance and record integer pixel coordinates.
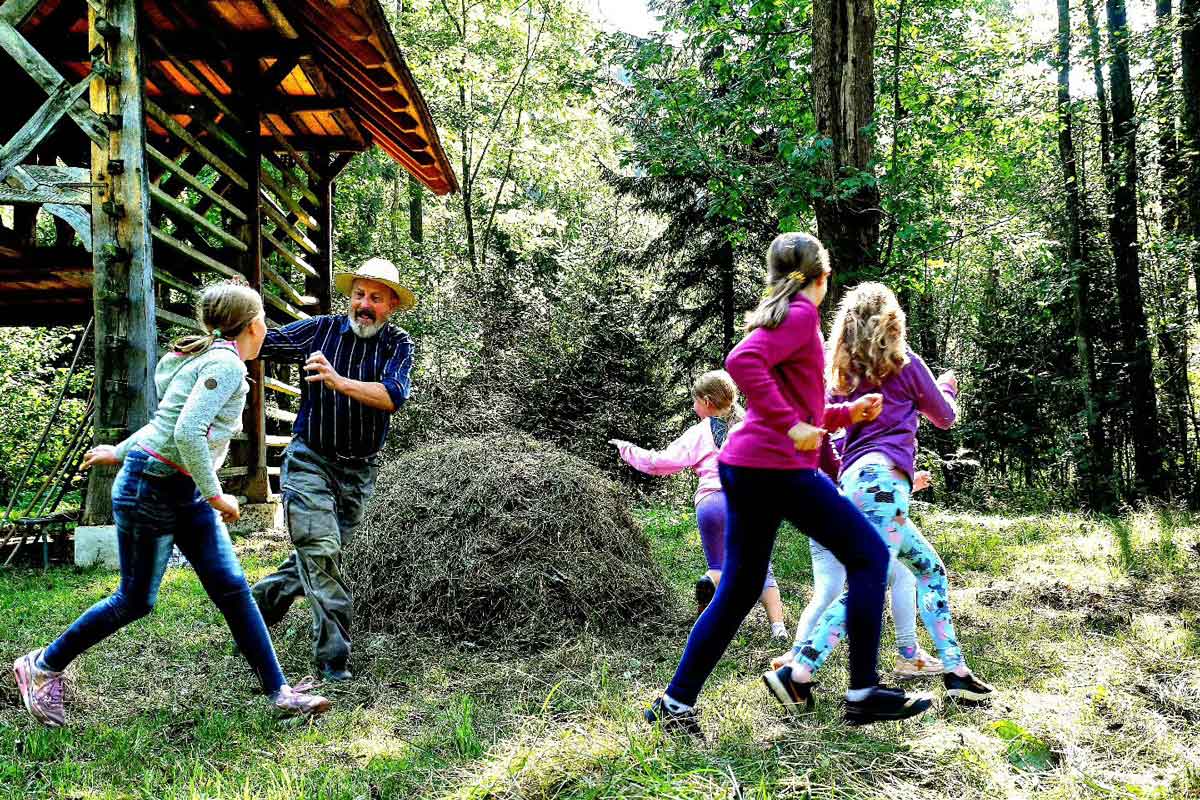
(1088, 627)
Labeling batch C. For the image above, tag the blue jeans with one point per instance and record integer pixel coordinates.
(154, 507)
(759, 500)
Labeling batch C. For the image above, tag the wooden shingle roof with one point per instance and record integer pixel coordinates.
(336, 79)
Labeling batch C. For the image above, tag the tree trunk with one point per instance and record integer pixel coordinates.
(416, 219)
(1101, 96)
(1189, 128)
(726, 266)
(1173, 328)
(1135, 343)
(844, 91)
(1096, 469)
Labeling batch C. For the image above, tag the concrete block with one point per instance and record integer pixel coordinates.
(96, 544)
(259, 517)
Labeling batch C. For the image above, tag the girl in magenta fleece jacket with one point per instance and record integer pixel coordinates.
(714, 399)
(768, 471)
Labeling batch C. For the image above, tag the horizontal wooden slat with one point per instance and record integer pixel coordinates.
(278, 441)
(233, 472)
(32, 183)
(284, 306)
(201, 222)
(177, 130)
(275, 215)
(295, 181)
(280, 415)
(281, 387)
(162, 276)
(194, 182)
(284, 196)
(208, 262)
(288, 256)
(176, 319)
(285, 287)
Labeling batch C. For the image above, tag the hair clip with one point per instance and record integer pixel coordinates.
(797, 276)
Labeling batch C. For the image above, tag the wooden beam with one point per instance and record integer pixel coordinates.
(203, 260)
(288, 256)
(285, 197)
(287, 289)
(123, 287)
(320, 284)
(216, 162)
(284, 306)
(201, 223)
(79, 220)
(46, 76)
(178, 319)
(194, 183)
(39, 125)
(38, 184)
(281, 387)
(279, 19)
(196, 79)
(15, 12)
(276, 216)
(277, 72)
(281, 415)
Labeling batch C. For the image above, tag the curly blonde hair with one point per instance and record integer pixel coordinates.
(869, 341)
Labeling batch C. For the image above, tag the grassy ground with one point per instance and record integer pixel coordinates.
(1088, 627)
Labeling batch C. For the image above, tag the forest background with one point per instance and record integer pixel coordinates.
(1026, 176)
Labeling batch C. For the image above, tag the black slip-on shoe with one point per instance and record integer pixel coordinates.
(886, 703)
(970, 689)
(791, 695)
(705, 589)
(336, 672)
(672, 722)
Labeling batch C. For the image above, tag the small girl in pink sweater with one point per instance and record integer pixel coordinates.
(714, 399)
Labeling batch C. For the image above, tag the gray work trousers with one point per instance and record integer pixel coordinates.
(323, 501)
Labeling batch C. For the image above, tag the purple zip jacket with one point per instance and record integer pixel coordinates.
(907, 395)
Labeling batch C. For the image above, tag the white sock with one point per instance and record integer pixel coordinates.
(674, 706)
(857, 695)
(779, 630)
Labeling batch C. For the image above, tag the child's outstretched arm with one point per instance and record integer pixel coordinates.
(936, 399)
(686, 451)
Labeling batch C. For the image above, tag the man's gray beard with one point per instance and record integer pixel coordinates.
(366, 331)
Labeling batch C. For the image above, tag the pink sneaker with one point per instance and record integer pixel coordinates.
(299, 701)
(41, 689)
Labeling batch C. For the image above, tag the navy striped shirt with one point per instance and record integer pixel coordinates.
(330, 422)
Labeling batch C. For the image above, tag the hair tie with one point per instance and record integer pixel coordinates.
(215, 333)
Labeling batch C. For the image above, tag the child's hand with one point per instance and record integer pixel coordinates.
(922, 480)
(103, 455)
(948, 378)
(806, 437)
(866, 408)
(618, 443)
(227, 506)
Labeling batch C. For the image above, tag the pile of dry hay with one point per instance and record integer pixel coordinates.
(500, 540)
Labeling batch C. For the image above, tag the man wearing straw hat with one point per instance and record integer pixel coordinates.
(358, 372)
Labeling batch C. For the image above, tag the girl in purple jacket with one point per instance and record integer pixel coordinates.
(870, 354)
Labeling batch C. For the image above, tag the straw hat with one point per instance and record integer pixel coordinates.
(382, 271)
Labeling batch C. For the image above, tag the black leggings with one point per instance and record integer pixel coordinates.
(759, 500)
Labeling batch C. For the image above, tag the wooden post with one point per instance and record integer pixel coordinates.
(258, 485)
(320, 286)
(123, 287)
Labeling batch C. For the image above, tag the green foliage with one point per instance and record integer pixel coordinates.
(33, 367)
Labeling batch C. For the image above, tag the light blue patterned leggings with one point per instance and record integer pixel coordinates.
(883, 497)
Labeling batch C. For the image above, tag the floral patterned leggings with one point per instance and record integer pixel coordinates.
(882, 496)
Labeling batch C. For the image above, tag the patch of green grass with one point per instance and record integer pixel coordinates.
(165, 710)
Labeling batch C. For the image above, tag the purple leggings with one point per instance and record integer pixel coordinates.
(710, 517)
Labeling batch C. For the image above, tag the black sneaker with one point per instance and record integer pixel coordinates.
(791, 695)
(886, 703)
(969, 688)
(672, 722)
(336, 672)
(705, 589)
